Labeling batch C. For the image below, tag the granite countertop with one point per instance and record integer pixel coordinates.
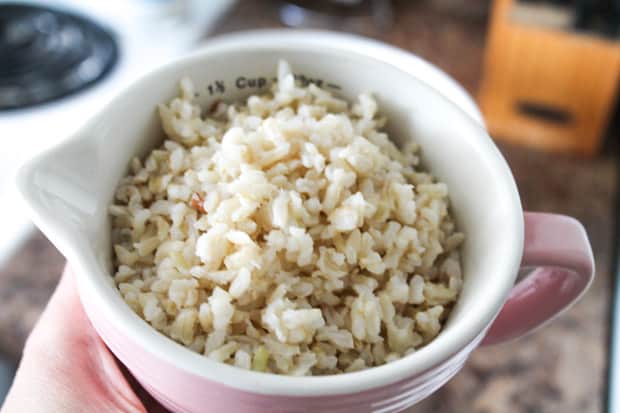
(560, 368)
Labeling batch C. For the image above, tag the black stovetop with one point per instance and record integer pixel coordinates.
(48, 53)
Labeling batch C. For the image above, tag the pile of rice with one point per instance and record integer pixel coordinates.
(286, 234)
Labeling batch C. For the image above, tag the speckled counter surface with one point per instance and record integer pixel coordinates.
(560, 368)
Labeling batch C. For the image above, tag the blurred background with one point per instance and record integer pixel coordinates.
(544, 72)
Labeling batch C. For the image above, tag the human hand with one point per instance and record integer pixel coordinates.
(66, 367)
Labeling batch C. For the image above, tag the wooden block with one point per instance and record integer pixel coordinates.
(547, 88)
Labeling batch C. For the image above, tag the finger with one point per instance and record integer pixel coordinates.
(65, 366)
(63, 315)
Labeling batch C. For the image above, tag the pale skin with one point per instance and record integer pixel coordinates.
(66, 367)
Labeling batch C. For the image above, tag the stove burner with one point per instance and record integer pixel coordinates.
(46, 54)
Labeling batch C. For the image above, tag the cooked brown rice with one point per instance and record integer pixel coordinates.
(286, 234)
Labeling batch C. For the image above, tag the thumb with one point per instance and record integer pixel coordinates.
(65, 366)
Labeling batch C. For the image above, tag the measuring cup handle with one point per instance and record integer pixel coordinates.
(558, 247)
